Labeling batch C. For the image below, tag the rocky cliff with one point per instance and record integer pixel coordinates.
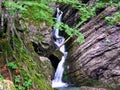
(26, 47)
(96, 61)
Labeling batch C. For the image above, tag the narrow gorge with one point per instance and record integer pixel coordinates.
(60, 45)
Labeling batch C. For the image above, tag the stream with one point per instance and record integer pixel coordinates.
(58, 40)
(69, 88)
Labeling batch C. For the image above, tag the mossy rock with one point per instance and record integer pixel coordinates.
(58, 54)
(6, 85)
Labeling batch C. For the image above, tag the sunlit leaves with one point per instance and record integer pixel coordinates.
(12, 65)
(70, 31)
(31, 11)
(113, 19)
(13, 7)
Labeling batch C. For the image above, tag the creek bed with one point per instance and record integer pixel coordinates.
(69, 88)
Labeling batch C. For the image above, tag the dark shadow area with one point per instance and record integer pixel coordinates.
(98, 11)
(39, 49)
(54, 60)
(36, 47)
(84, 1)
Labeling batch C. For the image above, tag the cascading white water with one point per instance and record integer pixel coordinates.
(57, 81)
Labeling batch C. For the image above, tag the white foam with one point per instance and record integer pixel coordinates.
(57, 81)
(58, 84)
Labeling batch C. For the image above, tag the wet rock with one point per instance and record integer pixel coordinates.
(6, 85)
(91, 88)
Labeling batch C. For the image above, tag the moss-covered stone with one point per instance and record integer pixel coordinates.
(6, 85)
(31, 71)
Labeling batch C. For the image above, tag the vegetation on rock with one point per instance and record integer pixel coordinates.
(18, 60)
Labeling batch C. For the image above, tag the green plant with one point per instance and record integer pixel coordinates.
(41, 12)
(16, 80)
(27, 84)
(71, 2)
(1, 77)
(12, 65)
(87, 11)
(73, 32)
(113, 19)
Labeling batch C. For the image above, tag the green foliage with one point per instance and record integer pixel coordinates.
(12, 6)
(12, 65)
(116, 18)
(87, 11)
(36, 12)
(113, 19)
(106, 1)
(108, 19)
(17, 80)
(71, 2)
(27, 59)
(27, 83)
(5, 47)
(40, 12)
(71, 32)
(1, 77)
(31, 11)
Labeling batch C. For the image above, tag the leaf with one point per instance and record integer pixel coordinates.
(12, 65)
(108, 19)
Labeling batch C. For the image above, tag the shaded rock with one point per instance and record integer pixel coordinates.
(47, 66)
(91, 88)
(6, 85)
(58, 54)
(99, 57)
(41, 38)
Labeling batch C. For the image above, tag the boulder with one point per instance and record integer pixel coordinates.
(48, 67)
(41, 38)
(6, 85)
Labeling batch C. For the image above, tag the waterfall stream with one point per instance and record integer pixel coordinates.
(57, 81)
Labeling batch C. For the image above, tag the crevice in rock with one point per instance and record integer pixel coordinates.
(36, 48)
(54, 60)
(98, 11)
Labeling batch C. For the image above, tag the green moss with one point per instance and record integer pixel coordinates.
(115, 19)
(31, 70)
(93, 83)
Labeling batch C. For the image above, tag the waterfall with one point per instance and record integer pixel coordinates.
(58, 40)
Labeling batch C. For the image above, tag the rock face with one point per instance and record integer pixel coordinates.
(47, 66)
(41, 38)
(6, 85)
(99, 57)
(91, 88)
